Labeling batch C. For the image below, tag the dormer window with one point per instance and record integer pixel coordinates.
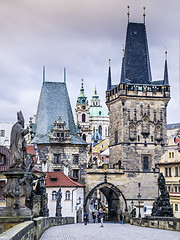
(53, 179)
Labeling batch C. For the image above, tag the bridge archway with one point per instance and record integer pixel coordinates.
(117, 205)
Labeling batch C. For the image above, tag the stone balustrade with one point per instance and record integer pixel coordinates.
(32, 230)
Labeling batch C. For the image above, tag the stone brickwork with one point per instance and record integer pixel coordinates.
(137, 126)
(60, 157)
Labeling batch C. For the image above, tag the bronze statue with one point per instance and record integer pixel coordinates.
(18, 148)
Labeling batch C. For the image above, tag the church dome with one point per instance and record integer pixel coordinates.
(98, 112)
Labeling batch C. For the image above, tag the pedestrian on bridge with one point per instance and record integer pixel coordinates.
(101, 216)
(85, 218)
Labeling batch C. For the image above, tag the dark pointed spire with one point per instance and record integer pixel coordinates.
(123, 79)
(136, 57)
(109, 77)
(166, 78)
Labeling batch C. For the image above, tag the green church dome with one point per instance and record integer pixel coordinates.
(98, 112)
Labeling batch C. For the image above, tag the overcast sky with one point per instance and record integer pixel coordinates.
(80, 35)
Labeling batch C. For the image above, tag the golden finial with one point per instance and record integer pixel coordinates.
(144, 14)
(128, 13)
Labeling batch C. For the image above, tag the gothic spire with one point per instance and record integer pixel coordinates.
(109, 77)
(166, 79)
(136, 57)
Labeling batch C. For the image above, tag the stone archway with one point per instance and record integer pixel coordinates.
(117, 205)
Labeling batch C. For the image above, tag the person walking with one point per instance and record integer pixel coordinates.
(94, 217)
(101, 216)
(85, 218)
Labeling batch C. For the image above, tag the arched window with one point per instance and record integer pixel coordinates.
(83, 117)
(54, 195)
(67, 195)
(100, 130)
(84, 137)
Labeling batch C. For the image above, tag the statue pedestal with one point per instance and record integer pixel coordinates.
(17, 188)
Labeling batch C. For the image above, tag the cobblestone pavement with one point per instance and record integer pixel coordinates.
(109, 231)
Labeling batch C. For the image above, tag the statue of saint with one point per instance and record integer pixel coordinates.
(18, 148)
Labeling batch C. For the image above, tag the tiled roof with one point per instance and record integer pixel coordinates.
(54, 103)
(136, 57)
(59, 179)
(173, 126)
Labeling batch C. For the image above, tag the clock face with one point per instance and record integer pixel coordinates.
(83, 107)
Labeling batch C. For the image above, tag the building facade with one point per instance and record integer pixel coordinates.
(72, 195)
(58, 146)
(170, 167)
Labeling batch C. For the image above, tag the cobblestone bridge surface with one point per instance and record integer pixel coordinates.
(108, 232)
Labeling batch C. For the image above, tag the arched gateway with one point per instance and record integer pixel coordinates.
(116, 202)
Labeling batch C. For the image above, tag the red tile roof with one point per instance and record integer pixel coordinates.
(59, 179)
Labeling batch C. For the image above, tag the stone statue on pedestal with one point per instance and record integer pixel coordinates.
(58, 203)
(19, 177)
(162, 206)
(18, 148)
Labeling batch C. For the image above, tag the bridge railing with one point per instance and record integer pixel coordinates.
(32, 230)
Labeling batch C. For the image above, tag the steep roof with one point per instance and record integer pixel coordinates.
(136, 57)
(173, 126)
(53, 103)
(59, 179)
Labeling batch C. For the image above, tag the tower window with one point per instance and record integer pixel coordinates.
(138, 138)
(151, 138)
(57, 158)
(83, 117)
(99, 112)
(145, 163)
(75, 158)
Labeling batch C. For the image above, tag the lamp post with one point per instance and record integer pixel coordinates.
(139, 201)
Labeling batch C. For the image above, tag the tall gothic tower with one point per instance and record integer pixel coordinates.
(137, 107)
